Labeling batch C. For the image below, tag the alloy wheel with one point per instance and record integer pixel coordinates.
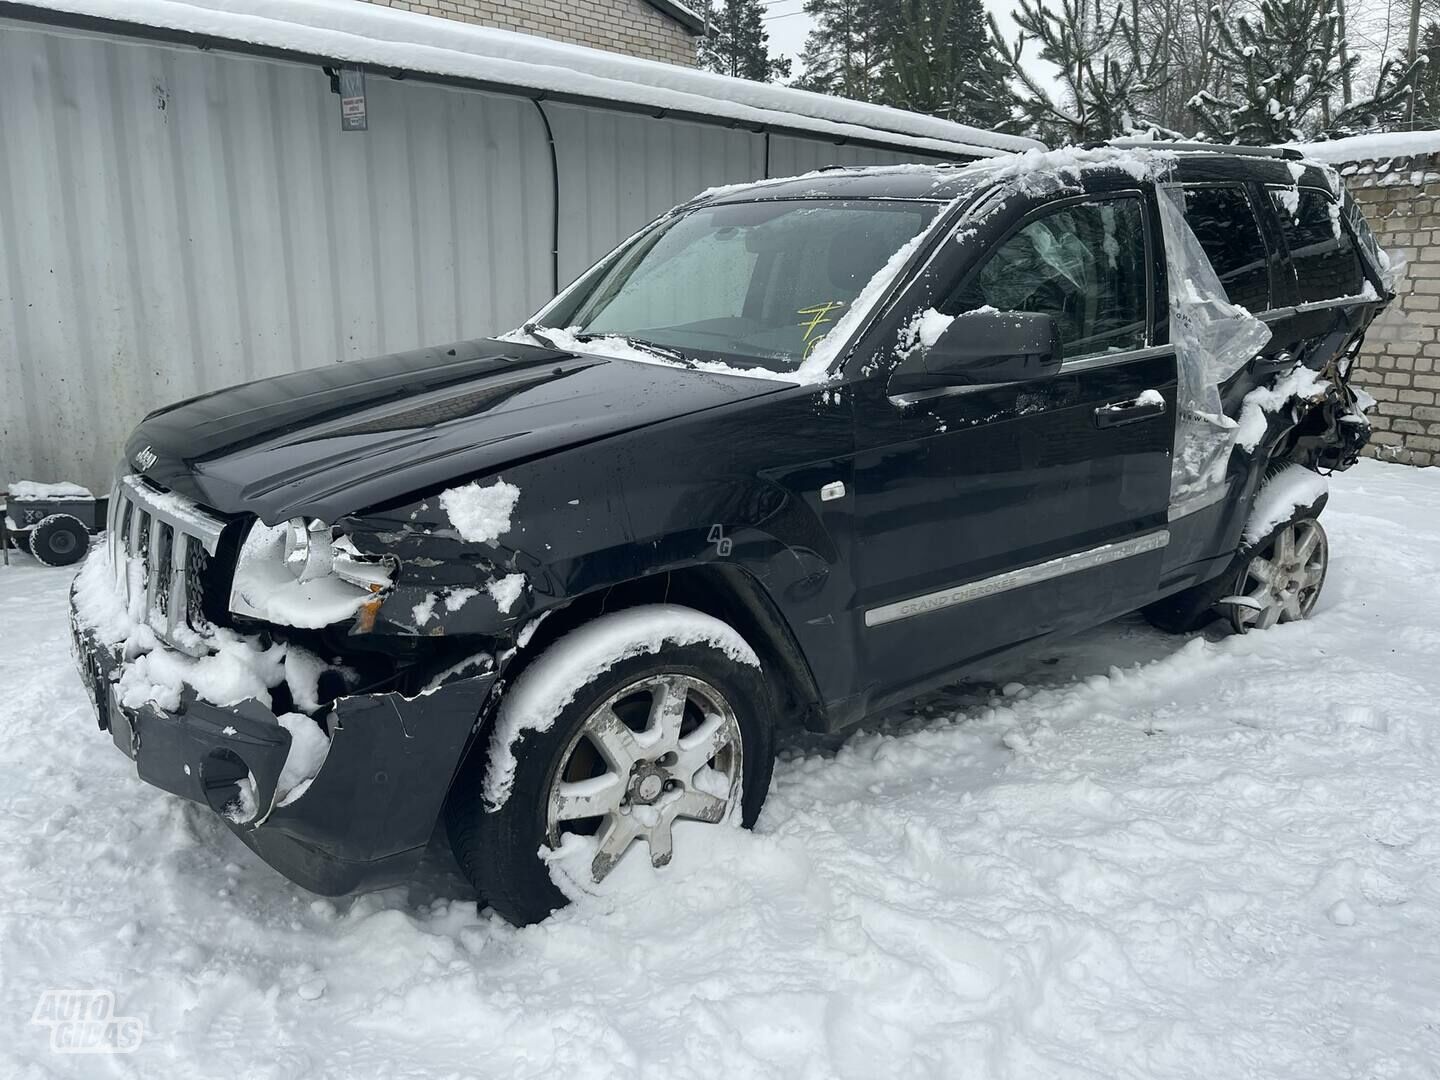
(663, 748)
(1281, 582)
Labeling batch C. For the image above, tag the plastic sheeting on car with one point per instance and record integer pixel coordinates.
(1213, 339)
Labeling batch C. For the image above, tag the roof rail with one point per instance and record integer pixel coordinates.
(1286, 153)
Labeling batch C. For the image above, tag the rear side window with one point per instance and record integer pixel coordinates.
(1083, 263)
(1225, 225)
(1326, 263)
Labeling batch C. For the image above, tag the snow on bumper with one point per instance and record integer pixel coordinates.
(366, 816)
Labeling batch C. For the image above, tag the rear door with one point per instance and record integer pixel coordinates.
(989, 515)
(1331, 295)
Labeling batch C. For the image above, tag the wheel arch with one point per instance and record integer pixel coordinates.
(728, 592)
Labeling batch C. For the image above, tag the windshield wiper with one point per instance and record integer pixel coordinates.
(529, 328)
(640, 343)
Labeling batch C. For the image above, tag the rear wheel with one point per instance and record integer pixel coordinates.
(680, 733)
(1282, 578)
(59, 540)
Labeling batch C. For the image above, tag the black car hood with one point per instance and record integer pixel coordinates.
(333, 440)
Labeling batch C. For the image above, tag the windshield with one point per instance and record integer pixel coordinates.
(750, 282)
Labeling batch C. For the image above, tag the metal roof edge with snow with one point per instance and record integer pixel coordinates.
(1377, 146)
(682, 14)
(406, 43)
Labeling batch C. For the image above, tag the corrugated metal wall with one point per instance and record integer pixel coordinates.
(172, 221)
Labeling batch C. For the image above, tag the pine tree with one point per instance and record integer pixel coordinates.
(943, 61)
(1390, 107)
(1426, 108)
(1106, 72)
(738, 43)
(847, 50)
(1284, 69)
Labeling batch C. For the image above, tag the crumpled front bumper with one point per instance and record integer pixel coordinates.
(365, 818)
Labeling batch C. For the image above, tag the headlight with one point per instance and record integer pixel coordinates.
(308, 550)
(302, 574)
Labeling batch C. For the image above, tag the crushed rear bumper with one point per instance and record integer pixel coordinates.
(365, 818)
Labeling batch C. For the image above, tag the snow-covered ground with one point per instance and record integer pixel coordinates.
(1126, 856)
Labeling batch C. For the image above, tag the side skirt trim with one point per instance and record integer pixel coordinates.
(1017, 579)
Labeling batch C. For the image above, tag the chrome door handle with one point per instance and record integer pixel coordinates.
(1148, 406)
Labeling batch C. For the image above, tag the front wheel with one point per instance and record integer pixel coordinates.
(619, 730)
(1282, 578)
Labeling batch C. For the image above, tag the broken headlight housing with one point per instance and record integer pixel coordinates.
(305, 573)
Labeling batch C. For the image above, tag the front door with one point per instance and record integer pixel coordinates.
(990, 515)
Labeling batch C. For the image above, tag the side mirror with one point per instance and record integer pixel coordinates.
(980, 347)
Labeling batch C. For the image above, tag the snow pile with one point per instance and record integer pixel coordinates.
(309, 747)
(1300, 382)
(1124, 855)
(32, 489)
(229, 668)
(481, 512)
(1374, 147)
(1292, 488)
(385, 39)
(924, 331)
(546, 687)
(265, 588)
(506, 591)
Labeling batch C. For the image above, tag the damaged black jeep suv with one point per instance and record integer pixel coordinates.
(793, 454)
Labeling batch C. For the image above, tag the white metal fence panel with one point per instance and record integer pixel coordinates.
(620, 170)
(173, 221)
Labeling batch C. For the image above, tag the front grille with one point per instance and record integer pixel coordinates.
(158, 543)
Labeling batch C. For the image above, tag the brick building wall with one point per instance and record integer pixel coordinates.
(1400, 363)
(632, 27)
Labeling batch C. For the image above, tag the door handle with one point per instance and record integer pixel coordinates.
(1148, 406)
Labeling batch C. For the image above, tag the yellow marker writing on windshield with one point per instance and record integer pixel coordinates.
(818, 322)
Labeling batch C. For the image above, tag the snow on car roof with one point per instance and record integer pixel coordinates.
(1041, 169)
(366, 34)
(946, 182)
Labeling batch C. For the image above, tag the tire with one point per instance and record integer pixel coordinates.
(59, 540)
(1281, 577)
(510, 802)
(1195, 608)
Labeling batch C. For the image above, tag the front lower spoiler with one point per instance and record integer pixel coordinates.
(366, 817)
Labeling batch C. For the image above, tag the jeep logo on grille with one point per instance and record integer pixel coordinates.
(145, 458)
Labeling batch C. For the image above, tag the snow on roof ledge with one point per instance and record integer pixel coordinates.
(360, 33)
(681, 13)
(1388, 144)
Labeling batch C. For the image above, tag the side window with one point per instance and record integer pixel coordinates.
(1225, 225)
(1083, 263)
(1326, 263)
